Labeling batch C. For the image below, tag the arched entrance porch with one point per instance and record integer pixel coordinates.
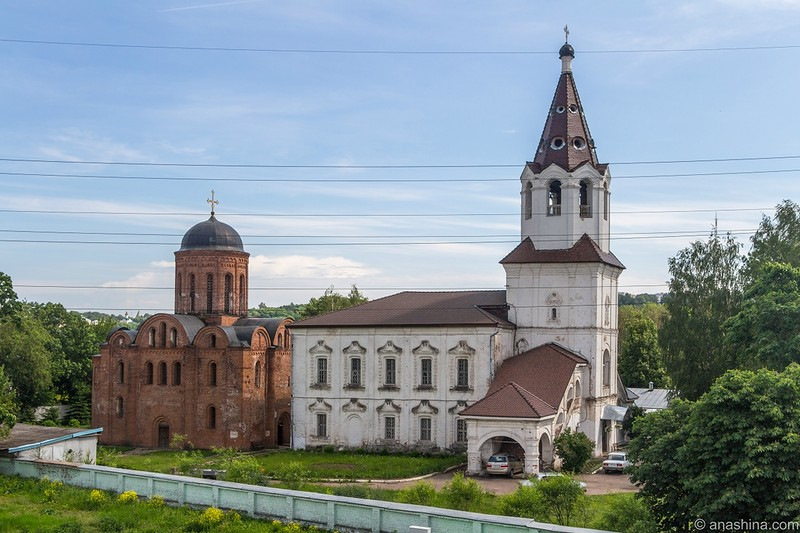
(283, 430)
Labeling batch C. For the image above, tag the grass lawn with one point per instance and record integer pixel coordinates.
(319, 465)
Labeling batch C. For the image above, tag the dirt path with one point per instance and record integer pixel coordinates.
(598, 483)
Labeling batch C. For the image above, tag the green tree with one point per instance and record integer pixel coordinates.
(626, 298)
(730, 455)
(766, 332)
(24, 354)
(626, 513)
(332, 301)
(9, 303)
(640, 359)
(562, 497)
(464, 494)
(704, 291)
(8, 407)
(291, 310)
(575, 449)
(776, 240)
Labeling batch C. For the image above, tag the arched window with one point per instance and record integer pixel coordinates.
(120, 372)
(162, 373)
(554, 199)
(606, 368)
(528, 201)
(286, 341)
(213, 341)
(120, 407)
(151, 337)
(242, 296)
(228, 293)
(280, 340)
(179, 303)
(176, 373)
(585, 199)
(605, 202)
(210, 293)
(553, 313)
(191, 293)
(162, 334)
(211, 419)
(173, 337)
(148, 373)
(258, 375)
(212, 374)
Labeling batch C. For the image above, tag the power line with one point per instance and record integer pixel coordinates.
(320, 51)
(314, 289)
(369, 180)
(376, 166)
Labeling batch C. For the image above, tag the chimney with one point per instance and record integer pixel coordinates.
(650, 386)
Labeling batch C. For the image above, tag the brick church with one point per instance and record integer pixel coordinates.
(206, 372)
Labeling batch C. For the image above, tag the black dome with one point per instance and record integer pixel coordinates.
(212, 235)
(566, 50)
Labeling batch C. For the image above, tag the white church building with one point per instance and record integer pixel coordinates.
(485, 371)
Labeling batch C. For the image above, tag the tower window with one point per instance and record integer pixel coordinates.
(228, 293)
(212, 375)
(585, 199)
(528, 201)
(579, 143)
(560, 109)
(209, 293)
(605, 202)
(176, 373)
(557, 143)
(554, 199)
(162, 373)
(553, 314)
(191, 293)
(212, 417)
(148, 373)
(151, 337)
(162, 334)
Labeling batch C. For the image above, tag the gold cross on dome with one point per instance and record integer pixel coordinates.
(212, 201)
(566, 33)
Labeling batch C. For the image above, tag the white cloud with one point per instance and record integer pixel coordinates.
(310, 267)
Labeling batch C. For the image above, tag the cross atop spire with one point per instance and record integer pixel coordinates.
(213, 202)
(566, 33)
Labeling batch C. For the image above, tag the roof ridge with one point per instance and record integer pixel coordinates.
(520, 390)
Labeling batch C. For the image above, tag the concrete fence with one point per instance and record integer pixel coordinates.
(322, 510)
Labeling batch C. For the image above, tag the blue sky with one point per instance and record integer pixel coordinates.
(659, 81)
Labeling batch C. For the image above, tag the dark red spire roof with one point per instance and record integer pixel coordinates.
(566, 140)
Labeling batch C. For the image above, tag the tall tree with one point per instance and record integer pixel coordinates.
(640, 359)
(732, 455)
(776, 240)
(766, 332)
(332, 301)
(704, 291)
(8, 406)
(24, 355)
(9, 303)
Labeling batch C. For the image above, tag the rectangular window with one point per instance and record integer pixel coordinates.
(388, 428)
(391, 372)
(426, 376)
(461, 430)
(322, 425)
(322, 371)
(355, 372)
(425, 429)
(462, 373)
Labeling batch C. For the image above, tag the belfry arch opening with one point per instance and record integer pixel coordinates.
(554, 199)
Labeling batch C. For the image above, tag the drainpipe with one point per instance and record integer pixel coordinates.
(491, 355)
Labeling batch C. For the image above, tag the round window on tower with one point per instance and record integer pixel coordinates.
(560, 109)
(573, 108)
(579, 143)
(557, 143)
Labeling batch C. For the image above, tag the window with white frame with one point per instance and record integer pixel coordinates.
(389, 428)
(462, 372)
(461, 430)
(355, 372)
(322, 371)
(322, 425)
(425, 425)
(426, 372)
(390, 371)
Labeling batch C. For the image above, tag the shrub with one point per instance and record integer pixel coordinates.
(97, 497)
(626, 513)
(128, 496)
(562, 497)
(111, 524)
(420, 493)
(525, 502)
(463, 494)
(574, 449)
(245, 469)
(292, 474)
(156, 500)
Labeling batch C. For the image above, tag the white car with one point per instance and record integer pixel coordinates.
(616, 462)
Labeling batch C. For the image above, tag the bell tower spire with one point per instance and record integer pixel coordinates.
(565, 189)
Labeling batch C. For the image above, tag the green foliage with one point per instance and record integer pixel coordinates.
(626, 298)
(640, 360)
(766, 331)
(574, 449)
(776, 240)
(9, 303)
(8, 407)
(463, 494)
(292, 474)
(291, 310)
(245, 469)
(625, 513)
(731, 454)
(332, 301)
(24, 345)
(562, 497)
(629, 422)
(526, 502)
(704, 291)
(420, 493)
